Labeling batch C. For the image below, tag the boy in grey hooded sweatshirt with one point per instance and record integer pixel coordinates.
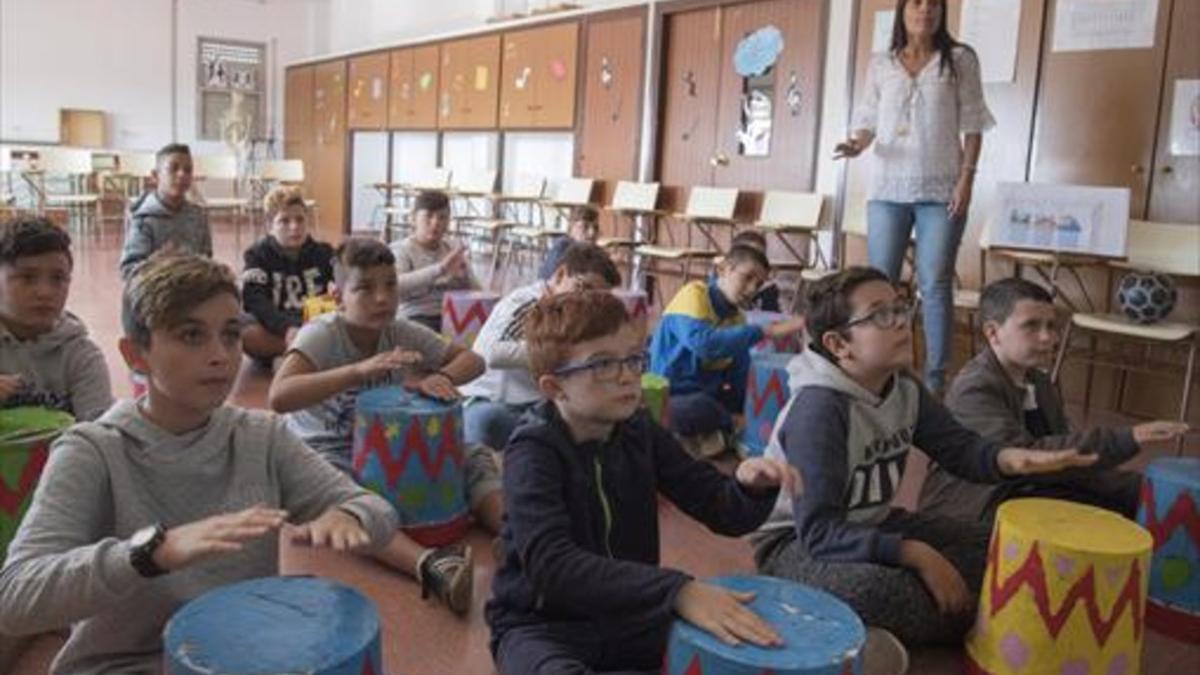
(46, 357)
(167, 497)
(855, 412)
(164, 218)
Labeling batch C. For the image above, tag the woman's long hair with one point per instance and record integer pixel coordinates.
(942, 40)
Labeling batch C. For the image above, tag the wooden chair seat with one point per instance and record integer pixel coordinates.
(1119, 324)
(669, 253)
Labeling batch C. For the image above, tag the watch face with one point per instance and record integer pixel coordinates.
(142, 536)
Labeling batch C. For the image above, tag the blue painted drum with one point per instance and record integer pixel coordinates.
(821, 635)
(276, 625)
(767, 392)
(409, 449)
(788, 344)
(1170, 511)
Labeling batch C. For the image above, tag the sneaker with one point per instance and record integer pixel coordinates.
(448, 573)
(705, 446)
(884, 654)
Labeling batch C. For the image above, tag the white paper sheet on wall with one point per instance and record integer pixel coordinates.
(881, 35)
(1086, 25)
(992, 28)
(1185, 118)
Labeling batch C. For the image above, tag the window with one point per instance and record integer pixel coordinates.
(231, 85)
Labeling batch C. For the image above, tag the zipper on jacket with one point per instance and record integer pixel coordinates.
(604, 505)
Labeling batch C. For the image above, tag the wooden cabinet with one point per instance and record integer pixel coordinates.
(329, 152)
(469, 90)
(298, 132)
(367, 106)
(606, 144)
(538, 73)
(412, 100)
(1175, 182)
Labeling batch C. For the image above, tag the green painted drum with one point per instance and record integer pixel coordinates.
(25, 437)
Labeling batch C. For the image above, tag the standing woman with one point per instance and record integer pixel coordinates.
(924, 111)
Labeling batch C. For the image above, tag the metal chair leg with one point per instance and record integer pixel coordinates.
(1062, 352)
(1187, 394)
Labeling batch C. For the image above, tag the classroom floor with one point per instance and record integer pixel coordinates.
(421, 637)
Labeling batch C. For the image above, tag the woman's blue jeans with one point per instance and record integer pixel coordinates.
(889, 229)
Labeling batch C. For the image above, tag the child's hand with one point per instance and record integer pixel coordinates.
(385, 362)
(942, 579)
(1022, 462)
(335, 528)
(722, 613)
(784, 328)
(435, 385)
(9, 385)
(1160, 430)
(760, 472)
(217, 535)
(455, 263)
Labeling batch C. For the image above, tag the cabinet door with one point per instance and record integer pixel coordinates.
(607, 141)
(520, 70)
(425, 91)
(766, 131)
(469, 88)
(298, 119)
(1175, 187)
(1096, 114)
(402, 89)
(554, 91)
(329, 170)
(367, 106)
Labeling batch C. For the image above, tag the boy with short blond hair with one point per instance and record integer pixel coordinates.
(46, 357)
(580, 588)
(363, 345)
(167, 497)
(164, 219)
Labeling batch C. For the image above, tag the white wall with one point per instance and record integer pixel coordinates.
(116, 56)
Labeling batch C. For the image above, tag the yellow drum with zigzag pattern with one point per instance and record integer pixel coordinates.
(1064, 592)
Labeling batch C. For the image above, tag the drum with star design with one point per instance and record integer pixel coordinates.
(1064, 592)
(276, 625)
(1170, 510)
(409, 449)
(464, 313)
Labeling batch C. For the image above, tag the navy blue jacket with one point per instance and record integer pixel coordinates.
(581, 523)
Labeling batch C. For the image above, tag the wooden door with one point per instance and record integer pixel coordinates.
(1096, 114)
(690, 87)
(520, 69)
(367, 107)
(1175, 186)
(469, 91)
(329, 154)
(606, 144)
(791, 88)
(298, 119)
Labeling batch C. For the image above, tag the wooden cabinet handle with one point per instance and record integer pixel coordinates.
(1168, 169)
(1137, 169)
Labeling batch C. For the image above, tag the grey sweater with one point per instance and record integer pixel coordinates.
(69, 562)
(152, 225)
(420, 278)
(62, 369)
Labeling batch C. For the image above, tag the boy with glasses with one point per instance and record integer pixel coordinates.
(854, 413)
(580, 588)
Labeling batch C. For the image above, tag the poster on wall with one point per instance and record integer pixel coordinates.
(1088, 25)
(1078, 219)
(992, 28)
(1185, 118)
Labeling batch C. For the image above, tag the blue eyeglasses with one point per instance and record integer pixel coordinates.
(607, 369)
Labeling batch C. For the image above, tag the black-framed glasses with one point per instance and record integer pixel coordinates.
(607, 368)
(886, 317)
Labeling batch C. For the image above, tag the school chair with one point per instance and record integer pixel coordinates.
(517, 208)
(472, 196)
(134, 170)
(66, 176)
(633, 204)
(793, 215)
(209, 168)
(1167, 248)
(398, 217)
(707, 207)
(531, 241)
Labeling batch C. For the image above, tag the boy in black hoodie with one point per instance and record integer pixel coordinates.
(281, 270)
(579, 587)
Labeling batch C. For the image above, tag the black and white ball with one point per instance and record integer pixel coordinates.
(1146, 297)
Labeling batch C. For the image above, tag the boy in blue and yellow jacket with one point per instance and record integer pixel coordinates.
(702, 345)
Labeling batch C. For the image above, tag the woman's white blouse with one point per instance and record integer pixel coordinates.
(917, 122)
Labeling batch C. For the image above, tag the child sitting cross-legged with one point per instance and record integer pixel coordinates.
(580, 588)
(364, 345)
(164, 498)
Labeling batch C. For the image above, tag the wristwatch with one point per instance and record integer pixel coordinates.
(142, 545)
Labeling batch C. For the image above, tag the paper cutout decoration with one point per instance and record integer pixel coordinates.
(377, 88)
(481, 78)
(758, 51)
(1185, 119)
(558, 69)
(523, 78)
(689, 79)
(793, 96)
(606, 73)
(426, 81)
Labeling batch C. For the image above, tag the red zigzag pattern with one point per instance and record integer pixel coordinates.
(376, 443)
(774, 387)
(10, 500)
(1182, 514)
(476, 312)
(1032, 574)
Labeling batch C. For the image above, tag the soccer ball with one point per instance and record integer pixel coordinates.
(1146, 297)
